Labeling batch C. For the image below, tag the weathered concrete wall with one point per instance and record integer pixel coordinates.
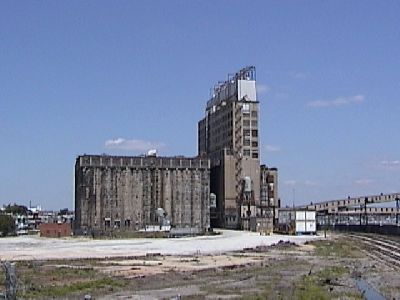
(124, 192)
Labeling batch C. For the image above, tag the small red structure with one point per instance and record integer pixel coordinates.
(55, 230)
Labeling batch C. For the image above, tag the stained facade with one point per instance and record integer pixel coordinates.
(128, 193)
(229, 136)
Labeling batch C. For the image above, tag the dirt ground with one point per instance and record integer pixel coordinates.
(320, 269)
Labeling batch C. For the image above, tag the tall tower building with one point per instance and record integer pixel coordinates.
(229, 136)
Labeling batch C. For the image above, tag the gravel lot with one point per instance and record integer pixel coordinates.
(34, 247)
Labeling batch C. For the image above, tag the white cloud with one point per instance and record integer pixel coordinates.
(132, 145)
(340, 101)
(272, 148)
(298, 75)
(263, 88)
(364, 181)
(390, 164)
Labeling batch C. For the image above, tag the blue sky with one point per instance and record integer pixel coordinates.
(76, 74)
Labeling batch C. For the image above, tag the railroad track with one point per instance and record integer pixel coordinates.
(383, 249)
(381, 241)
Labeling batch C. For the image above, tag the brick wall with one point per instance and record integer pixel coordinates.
(55, 230)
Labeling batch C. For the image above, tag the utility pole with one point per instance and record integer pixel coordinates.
(11, 280)
(294, 196)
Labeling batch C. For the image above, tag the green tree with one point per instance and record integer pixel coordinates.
(63, 211)
(7, 225)
(16, 209)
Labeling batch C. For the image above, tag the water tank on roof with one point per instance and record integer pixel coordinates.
(152, 152)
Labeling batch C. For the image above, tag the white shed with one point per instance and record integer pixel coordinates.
(305, 222)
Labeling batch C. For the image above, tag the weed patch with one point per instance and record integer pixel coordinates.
(319, 285)
(74, 288)
(337, 248)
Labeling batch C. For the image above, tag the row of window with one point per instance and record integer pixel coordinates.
(254, 132)
(246, 152)
(246, 110)
(246, 122)
(247, 142)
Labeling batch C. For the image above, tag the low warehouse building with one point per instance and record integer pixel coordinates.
(120, 193)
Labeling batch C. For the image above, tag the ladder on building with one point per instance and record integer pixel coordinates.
(238, 147)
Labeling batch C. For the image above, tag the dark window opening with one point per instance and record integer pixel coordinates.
(117, 224)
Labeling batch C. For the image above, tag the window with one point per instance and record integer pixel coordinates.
(254, 144)
(254, 155)
(246, 132)
(246, 142)
(246, 123)
(246, 152)
(254, 133)
(254, 123)
(254, 114)
(246, 108)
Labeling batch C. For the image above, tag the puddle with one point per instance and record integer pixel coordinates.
(369, 293)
